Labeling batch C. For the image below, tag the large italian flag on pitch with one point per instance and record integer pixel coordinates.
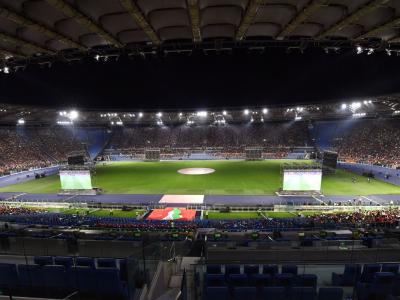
(172, 213)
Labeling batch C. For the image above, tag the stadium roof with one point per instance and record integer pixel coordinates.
(67, 29)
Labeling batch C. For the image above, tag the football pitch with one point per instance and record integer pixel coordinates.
(229, 178)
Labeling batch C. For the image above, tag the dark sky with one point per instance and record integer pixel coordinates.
(199, 81)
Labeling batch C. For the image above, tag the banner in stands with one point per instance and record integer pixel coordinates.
(75, 180)
(170, 213)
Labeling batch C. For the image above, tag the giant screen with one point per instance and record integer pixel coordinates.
(75, 180)
(302, 180)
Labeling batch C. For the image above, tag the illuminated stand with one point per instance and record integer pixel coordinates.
(301, 180)
(152, 155)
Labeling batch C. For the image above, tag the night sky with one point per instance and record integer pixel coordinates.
(199, 81)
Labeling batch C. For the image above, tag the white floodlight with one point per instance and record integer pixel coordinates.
(370, 51)
(73, 115)
(265, 111)
(140, 114)
(359, 50)
(202, 114)
(344, 105)
(298, 118)
(21, 122)
(224, 113)
(246, 111)
(159, 114)
(97, 57)
(6, 70)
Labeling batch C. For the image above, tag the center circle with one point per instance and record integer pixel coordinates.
(196, 171)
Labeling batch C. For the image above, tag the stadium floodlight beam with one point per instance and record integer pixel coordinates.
(344, 106)
(265, 111)
(246, 111)
(224, 113)
(140, 114)
(21, 122)
(159, 114)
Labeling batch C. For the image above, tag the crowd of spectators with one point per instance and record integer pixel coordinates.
(359, 219)
(371, 141)
(29, 148)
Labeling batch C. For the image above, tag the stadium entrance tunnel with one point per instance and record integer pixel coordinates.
(196, 171)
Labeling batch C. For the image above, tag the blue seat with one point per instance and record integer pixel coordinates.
(55, 280)
(232, 269)
(8, 278)
(350, 276)
(82, 279)
(31, 279)
(369, 271)
(84, 262)
(213, 269)
(215, 280)
(43, 260)
(106, 263)
(306, 280)
(285, 280)
(248, 293)
(330, 293)
(381, 286)
(216, 293)
(394, 268)
(259, 280)
(123, 271)
(109, 283)
(273, 293)
(65, 261)
(289, 269)
(270, 269)
(238, 280)
(302, 293)
(251, 269)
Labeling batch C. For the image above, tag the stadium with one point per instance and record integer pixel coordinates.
(199, 149)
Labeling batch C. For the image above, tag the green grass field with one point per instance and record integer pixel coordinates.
(230, 178)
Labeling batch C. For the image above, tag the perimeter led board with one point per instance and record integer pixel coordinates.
(75, 180)
(302, 180)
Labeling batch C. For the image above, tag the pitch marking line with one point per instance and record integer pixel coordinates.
(320, 201)
(369, 199)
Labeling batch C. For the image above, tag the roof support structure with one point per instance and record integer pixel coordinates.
(374, 31)
(248, 18)
(354, 17)
(24, 21)
(7, 53)
(301, 17)
(79, 17)
(194, 13)
(22, 43)
(139, 18)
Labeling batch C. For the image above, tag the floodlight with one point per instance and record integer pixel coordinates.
(73, 115)
(21, 122)
(6, 70)
(140, 114)
(246, 111)
(224, 113)
(265, 110)
(344, 106)
(359, 50)
(159, 114)
(201, 114)
(297, 118)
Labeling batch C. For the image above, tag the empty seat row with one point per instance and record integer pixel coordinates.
(272, 293)
(261, 280)
(59, 281)
(252, 269)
